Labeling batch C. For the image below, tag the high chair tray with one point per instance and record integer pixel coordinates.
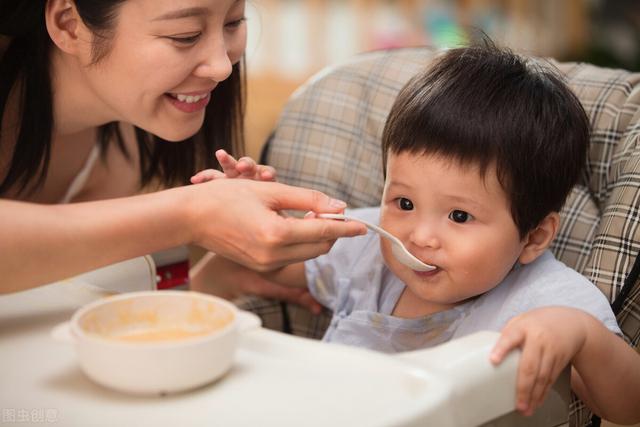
(276, 379)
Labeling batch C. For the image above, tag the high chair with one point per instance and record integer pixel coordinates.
(328, 138)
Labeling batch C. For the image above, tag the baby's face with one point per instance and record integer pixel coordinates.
(451, 217)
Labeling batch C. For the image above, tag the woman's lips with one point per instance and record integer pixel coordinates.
(189, 103)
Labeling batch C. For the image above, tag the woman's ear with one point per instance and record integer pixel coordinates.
(539, 239)
(64, 25)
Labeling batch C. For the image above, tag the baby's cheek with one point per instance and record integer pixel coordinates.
(474, 268)
(385, 249)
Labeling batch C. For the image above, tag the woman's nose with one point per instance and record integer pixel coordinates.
(216, 65)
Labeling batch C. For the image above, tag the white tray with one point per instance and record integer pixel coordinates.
(276, 379)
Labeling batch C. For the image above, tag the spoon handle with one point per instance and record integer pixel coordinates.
(399, 251)
(366, 223)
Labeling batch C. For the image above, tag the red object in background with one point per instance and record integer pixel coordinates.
(173, 275)
(172, 268)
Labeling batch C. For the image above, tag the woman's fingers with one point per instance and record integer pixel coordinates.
(312, 229)
(303, 199)
(250, 230)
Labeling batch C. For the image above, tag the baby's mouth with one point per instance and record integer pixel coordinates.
(428, 273)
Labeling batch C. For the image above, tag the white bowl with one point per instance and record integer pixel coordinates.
(156, 342)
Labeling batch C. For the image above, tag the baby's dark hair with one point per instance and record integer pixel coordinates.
(483, 105)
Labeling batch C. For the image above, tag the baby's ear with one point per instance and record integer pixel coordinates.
(539, 239)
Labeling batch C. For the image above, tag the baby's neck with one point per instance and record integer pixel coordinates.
(410, 306)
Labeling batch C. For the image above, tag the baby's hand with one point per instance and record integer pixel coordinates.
(245, 167)
(549, 337)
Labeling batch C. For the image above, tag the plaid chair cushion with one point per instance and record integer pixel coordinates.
(328, 138)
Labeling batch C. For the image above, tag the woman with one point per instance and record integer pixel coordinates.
(100, 98)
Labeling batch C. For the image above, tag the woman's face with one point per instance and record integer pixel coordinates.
(165, 59)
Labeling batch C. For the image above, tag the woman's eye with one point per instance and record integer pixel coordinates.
(235, 24)
(405, 204)
(185, 40)
(460, 216)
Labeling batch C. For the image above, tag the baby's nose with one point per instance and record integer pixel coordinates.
(425, 235)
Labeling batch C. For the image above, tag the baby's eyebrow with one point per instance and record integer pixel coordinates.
(399, 184)
(467, 200)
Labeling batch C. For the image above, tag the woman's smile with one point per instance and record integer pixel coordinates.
(189, 103)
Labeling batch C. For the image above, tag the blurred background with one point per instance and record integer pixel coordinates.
(290, 40)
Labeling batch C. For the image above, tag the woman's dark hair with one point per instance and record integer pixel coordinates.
(25, 68)
(483, 105)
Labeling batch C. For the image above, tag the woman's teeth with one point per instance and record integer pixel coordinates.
(189, 99)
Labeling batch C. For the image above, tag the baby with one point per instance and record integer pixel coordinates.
(480, 152)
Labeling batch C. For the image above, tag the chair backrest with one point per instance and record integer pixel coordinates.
(328, 138)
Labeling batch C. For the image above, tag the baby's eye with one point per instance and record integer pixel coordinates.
(460, 216)
(405, 204)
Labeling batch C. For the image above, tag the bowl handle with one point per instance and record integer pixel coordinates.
(247, 321)
(62, 333)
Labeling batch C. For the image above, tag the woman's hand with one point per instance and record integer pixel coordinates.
(245, 167)
(549, 337)
(238, 219)
(220, 276)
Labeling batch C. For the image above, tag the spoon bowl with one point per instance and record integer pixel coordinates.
(397, 248)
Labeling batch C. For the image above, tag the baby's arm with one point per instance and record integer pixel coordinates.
(605, 370)
(292, 275)
(606, 374)
(220, 276)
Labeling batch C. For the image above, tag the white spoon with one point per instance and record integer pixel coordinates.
(397, 248)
